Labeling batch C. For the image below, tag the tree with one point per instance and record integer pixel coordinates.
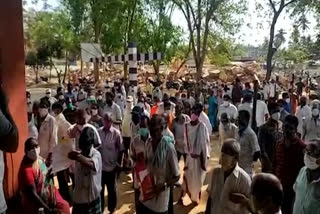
(201, 17)
(98, 14)
(51, 31)
(161, 35)
(277, 7)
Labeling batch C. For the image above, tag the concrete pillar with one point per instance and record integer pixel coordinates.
(12, 75)
(133, 70)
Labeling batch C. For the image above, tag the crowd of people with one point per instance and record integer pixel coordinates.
(117, 129)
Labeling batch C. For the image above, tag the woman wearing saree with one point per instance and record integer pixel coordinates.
(36, 187)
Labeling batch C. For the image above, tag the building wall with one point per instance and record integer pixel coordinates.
(12, 76)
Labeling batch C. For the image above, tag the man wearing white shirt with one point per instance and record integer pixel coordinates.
(47, 138)
(247, 105)
(205, 119)
(262, 113)
(274, 89)
(63, 138)
(114, 109)
(266, 90)
(303, 113)
(228, 107)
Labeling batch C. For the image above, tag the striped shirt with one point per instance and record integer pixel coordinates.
(111, 146)
(288, 162)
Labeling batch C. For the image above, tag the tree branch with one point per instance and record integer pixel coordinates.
(290, 2)
(273, 6)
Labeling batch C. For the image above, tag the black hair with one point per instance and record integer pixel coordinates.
(157, 119)
(227, 96)
(45, 102)
(57, 106)
(28, 143)
(245, 114)
(88, 136)
(265, 185)
(247, 98)
(293, 120)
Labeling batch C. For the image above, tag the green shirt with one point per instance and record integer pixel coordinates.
(307, 194)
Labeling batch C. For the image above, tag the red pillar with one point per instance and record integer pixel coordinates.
(12, 75)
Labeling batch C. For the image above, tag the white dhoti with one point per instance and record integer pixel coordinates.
(194, 175)
(193, 178)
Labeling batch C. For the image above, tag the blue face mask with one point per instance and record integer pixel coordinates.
(144, 132)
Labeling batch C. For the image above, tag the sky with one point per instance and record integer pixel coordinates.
(252, 35)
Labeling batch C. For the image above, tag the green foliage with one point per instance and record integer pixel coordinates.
(219, 50)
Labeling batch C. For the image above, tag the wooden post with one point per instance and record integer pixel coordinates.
(254, 110)
(12, 74)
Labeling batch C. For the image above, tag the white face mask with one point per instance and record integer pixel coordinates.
(315, 112)
(225, 103)
(310, 162)
(43, 112)
(94, 112)
(276, 116)
(61, 97)
(48, 95)
(99, 97)
(288, 100)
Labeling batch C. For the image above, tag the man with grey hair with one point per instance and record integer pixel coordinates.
(111, 150)
(311, 127)
(226, 180)
(307, 185)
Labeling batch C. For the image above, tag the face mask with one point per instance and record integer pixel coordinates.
(276, 116)
(61, 97)
(310, 162)
(99, 97)
(43, 112)
(225, 103)
(33, 154)
(288, 100)
(48, 95)
(315, 112)
(94, 112)
(226, 162)
(144, 132)
(194, 117)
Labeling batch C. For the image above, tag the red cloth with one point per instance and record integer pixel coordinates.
(288, 162)
(28, 176)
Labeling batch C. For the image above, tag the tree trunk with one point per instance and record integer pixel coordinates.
(156, 67)
(50, 74)
(96, 40)
(271, 50)
(81, 68)
(125, 64)
(36, 71)
(65, 68)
